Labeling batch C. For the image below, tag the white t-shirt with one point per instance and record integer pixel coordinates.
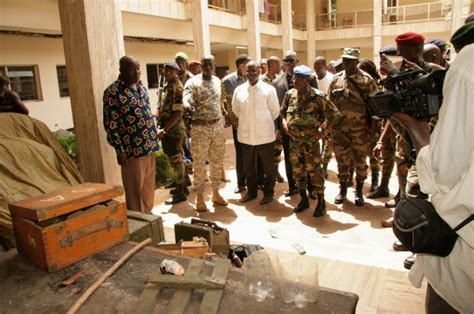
(323, 84)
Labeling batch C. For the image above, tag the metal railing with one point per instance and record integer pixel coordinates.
(416, 13)
(344, 19)
(230, 6)
(272, 13)
(299, 21)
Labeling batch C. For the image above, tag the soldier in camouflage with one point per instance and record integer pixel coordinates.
(349, 91)
(202, 96)
(306, 117)
(172, 130)
(181, 59)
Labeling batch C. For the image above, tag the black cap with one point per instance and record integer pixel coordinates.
(172, 65)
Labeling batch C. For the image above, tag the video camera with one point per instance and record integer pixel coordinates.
(412, 92)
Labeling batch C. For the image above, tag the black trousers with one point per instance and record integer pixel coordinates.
(288, 168)
(239, 163)
(265, 153)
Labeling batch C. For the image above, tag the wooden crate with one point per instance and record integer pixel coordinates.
(59, 228)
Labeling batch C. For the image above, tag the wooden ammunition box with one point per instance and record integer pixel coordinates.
(217, 237)
(142, 226)
(56, 229)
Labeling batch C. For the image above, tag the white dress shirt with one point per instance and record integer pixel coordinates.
(446, 172)
(256, 107)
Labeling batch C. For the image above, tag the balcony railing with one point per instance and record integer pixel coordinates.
(272, 13)
(230, 6)
(344, 19)
(299, 21)
(416, 13)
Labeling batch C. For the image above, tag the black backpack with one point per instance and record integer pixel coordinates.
(419, 227)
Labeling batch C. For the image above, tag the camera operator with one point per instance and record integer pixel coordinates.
(445, 166)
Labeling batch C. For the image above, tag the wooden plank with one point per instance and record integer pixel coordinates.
(212, 298)
(148, 299)
(180, 298)
(186, 282)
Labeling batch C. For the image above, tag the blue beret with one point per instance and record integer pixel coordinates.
(172, 65)
(437, 41)
(302, 70)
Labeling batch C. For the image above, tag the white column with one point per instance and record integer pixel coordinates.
(378, 7)
(286, 25)
(311, 31)
(457, 20)
(200, 15)
(253, 30)
(93, 44)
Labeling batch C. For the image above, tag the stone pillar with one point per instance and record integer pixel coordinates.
(286, 25)
(200, 15)
(311, 31)
(457, 20)
(93, 44)
(253, 30)
(378, 8)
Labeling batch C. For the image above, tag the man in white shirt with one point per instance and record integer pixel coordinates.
(255, 103)
(324, 77)
(445, 165)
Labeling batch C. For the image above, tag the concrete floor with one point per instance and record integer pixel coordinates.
(354, 252)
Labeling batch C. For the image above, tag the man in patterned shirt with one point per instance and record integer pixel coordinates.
(131, 131)
(202, 96)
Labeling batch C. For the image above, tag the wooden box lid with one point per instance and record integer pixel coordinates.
(63, 201)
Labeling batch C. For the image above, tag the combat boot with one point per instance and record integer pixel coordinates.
(375, 181)
(304, 202)
(342, 193)
(217, 199)
(320, 209)
(394, 201)
(359, 197)
(381, 191)
(200, 204)
(178, 195)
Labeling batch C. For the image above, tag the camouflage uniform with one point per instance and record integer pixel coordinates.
(278, 141)
(304, 114)
(350, 133)
(388, 157)
(172, 101)
(407, 175)
(207, 134)
(184, 77)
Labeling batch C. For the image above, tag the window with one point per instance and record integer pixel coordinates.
(153, 73)
(24, 80)
(62, 81)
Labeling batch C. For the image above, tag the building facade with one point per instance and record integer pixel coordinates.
(33, 55)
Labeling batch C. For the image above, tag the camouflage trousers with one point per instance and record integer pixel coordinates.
(351, 147)
(374, 163)
(173, 148)
(327, 148)
(305, 159)
(388, 157)
(207, 143)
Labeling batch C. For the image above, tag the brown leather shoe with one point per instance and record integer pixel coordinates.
(266, 199)
(248, 197)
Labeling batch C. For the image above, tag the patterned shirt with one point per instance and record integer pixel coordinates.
(203, 98)
(128, 120)
(308, 111)
(171, 101)
(347, 98)
(229, 84)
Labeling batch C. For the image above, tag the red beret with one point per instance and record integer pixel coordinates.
(410, 38)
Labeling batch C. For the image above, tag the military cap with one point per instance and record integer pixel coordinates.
(410, 38)
(302, 71)
(463, 35)
(181, 56)
(172, 65)
(194, 62)
(437, 41)
(351, 53)
(389, 50)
